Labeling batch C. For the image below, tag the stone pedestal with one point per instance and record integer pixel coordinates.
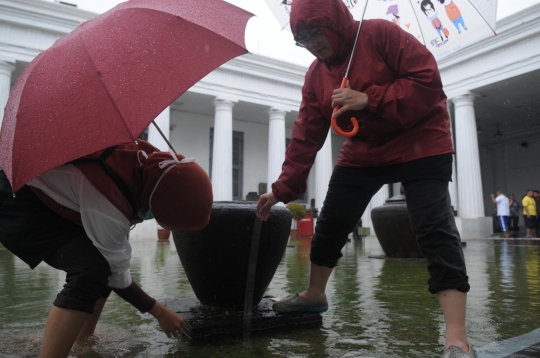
(206, 322)
(216, 259)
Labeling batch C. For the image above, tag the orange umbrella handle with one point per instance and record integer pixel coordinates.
(353, 120)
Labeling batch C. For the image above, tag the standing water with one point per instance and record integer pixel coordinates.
(378, 308)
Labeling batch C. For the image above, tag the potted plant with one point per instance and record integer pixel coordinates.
(163, 234)
(298, 212)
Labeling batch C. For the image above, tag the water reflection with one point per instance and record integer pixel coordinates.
(378, 308)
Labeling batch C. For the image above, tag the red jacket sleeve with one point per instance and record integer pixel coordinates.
(308, 136)
(418, 85)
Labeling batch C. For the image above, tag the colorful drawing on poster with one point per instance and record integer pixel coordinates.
(287, 4)
(454, 15)
(432, 15)
(350, 3)
(392, 14)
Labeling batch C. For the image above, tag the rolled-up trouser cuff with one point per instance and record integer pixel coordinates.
(74, 303)
(82, 290)
(323, 261)
(462, 285)
(345, 202)
(79, 303)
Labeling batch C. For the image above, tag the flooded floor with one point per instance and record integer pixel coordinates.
(378, 308)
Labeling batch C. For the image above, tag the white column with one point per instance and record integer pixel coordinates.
(452, 186)
(6, 69)
(163, 121)
(276, 144)
(471, 204)
(222, 154)
(323, 171)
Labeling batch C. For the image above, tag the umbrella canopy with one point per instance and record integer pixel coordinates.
(103, 84)
(444, 26)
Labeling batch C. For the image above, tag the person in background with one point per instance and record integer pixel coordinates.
(503, 211)
(515, 208)
(529, 213)
(536, 196)
(395, 92)
(76, 218)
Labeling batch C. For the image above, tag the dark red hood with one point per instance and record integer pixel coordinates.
(325, 14)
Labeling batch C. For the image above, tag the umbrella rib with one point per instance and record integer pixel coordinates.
(482, 16)
(106, 89)
(418, 23)
(356, 40)
(243, 48)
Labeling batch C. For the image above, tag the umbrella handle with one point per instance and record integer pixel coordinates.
(353, 120)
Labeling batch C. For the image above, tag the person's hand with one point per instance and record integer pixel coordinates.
(266, 201)
(349, 100)
(170, 322)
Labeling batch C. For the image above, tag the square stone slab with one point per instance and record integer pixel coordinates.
(206, 322)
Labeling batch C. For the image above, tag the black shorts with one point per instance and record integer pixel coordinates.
(34, 233)
(530, 222)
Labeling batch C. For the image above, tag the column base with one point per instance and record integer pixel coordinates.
(474, 228)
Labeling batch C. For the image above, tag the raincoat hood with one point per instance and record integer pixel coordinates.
(175, 189)
(331, 16)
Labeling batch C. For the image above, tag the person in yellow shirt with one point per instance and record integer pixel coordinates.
(529, 212)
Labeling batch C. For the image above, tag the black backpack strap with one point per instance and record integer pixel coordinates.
(112, 174)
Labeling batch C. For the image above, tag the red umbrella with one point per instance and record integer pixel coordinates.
(104, 83)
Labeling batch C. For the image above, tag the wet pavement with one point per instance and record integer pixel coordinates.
(378, 308)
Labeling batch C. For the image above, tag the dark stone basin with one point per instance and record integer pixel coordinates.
(392, 226)
(215, 258)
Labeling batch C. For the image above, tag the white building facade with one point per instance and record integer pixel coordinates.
(236, 121)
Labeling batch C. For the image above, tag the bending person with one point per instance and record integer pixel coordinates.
(395, 92)
(76, 218)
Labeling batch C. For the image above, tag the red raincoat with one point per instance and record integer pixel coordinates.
(406, 117)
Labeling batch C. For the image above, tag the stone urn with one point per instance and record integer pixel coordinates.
(216, 258)
(392, 226)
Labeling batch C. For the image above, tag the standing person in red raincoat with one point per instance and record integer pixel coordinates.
(76, 218)
(395, 92)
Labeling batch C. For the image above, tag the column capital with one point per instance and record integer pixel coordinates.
(224, 103)
(6, 68)
(464, 99)
(277, 110)
(277, 113)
